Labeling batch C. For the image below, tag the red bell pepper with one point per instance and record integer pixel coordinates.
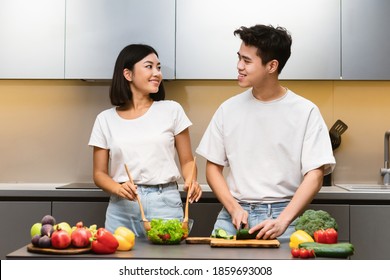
(104, 242)
(327, 236)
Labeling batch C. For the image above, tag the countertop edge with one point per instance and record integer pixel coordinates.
(48, 191)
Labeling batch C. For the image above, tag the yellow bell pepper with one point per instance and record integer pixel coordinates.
(125, 237)
(299, 237)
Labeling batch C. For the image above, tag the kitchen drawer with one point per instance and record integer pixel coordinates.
(89, 212)
(341, 213)
(16, 220)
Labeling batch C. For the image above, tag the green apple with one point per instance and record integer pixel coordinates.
(65, 226)
(35, 229)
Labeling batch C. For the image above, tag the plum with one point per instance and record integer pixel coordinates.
(44, 242)
(48, 219)
(47, 229)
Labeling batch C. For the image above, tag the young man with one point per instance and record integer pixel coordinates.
(275, 142)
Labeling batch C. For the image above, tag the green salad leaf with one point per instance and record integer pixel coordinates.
(166, 231)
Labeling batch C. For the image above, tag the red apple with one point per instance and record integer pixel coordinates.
(81, 236)
(60, 239)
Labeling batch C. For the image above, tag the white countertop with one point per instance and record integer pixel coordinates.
(30, 186)
(48, 190)
(52, 186)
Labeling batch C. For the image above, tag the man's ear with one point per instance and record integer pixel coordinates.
(128, 74)
(273, 66)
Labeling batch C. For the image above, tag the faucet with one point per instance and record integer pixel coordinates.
(385, 172)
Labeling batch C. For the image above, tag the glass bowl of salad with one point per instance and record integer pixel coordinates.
(167, 231)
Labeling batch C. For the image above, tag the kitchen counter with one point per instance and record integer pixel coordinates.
(356, 212)
(47, 191)
(143, 249)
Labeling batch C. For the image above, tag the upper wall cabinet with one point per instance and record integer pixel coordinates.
(97, 30)
(32, 39)
(365, 40)
(206, 47)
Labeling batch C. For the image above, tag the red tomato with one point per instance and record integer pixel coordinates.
(327, 236)
(295, 252)
(304, 253)
(331, 235)
(311, 253)
(320, 236)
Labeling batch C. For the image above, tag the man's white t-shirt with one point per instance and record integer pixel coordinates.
(145, 144)
(269, 146)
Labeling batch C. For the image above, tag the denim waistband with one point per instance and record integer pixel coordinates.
(160, 187)
(253, 205)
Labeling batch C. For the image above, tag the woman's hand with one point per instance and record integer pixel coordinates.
(194, 189)
(127, 190)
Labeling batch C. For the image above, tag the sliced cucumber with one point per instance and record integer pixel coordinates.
(221, 233)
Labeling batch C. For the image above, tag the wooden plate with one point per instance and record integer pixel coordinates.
(69, 251)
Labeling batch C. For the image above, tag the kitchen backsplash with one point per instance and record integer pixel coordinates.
(45, 124)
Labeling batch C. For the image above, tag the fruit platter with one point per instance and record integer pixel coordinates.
(50, 237)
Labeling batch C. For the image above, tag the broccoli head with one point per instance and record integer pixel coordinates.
(312, 220)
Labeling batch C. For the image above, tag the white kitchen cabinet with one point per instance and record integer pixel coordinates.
(206, 47)
(32, 35)
(365, 40)
(97, 30)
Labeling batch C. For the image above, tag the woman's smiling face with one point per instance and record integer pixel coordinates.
(146, 75)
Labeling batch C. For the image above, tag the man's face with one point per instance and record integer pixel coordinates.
(251, 71)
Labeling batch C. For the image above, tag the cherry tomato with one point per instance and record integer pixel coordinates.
(303, 253)
(311, 253)
(295, 252)
(165, 236)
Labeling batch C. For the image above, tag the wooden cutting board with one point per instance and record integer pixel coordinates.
(53, 251)
(220, 242)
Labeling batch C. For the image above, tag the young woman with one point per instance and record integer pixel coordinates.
(144, 132)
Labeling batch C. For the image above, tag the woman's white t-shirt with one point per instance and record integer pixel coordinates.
(269, 146)
(145, 144)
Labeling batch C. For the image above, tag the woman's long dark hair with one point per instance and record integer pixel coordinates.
(120, 92)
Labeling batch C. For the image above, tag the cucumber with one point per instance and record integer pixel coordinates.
(336, 250)
(244, 234)
(220, 233)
